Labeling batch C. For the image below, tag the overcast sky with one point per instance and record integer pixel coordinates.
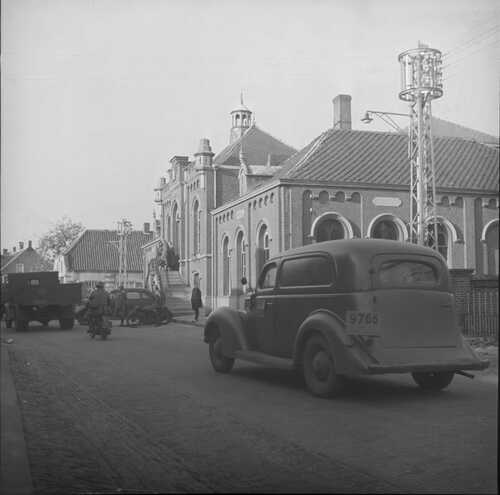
(98, 95)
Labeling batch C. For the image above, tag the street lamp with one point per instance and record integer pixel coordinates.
(386, 117)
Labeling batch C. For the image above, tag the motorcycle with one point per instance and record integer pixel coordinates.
(99, 325)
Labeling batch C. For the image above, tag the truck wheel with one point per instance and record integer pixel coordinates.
(66, 323)
(220, 363)
(319, 369)
(21, 325)
(433, 381)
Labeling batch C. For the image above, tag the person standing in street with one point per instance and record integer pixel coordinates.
(196, 303)
(121, 305)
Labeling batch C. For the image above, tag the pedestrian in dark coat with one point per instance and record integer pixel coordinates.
(121, 305)
(196, 303)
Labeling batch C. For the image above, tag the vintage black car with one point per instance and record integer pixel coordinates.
(343, 308)
(137, 298)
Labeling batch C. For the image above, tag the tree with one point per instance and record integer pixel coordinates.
(58, 238)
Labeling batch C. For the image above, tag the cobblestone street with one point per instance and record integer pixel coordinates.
(144, 412)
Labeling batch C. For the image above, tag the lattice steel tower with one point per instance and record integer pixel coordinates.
(123, 231)
(421, 82)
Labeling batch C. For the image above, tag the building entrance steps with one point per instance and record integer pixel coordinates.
(177, 294)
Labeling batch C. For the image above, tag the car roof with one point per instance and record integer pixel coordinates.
(360, 247)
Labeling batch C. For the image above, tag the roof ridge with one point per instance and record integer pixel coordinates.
(231, 146)
(275, 138)
(12, 258)
(464, 127)
(74, 241)
(314, 146)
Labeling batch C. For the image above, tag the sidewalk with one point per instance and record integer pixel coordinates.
(189, 320)
(15, 470)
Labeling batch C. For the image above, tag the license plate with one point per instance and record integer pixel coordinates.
(362, 322)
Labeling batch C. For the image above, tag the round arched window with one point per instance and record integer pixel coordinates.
(385, 229)
(330, 229)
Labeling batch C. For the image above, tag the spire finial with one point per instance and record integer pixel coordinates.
(241, 97)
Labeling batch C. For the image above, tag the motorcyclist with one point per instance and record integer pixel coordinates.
(98, 305)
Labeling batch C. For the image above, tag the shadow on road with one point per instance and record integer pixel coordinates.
(382, 389)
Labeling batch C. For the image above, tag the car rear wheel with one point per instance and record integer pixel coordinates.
(319, 371)
(220, 363)
(433, 380)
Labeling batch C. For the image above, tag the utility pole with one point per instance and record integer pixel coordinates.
(421, 82)
(124, 229)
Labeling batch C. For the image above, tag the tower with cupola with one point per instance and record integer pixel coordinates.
(241, 120)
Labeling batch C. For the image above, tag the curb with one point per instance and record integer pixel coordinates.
(15, 469)
(189, 322)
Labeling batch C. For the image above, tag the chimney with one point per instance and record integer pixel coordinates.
(30, 246)
(146, 228)
(21, 245)
(5, 252)
(342, 112)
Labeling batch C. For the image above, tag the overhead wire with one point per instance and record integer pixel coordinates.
(454, 63)
(475, 39)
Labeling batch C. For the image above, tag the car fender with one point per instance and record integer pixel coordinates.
(332, 329)
(231, 326)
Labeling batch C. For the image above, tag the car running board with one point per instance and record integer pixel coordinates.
(266, 359)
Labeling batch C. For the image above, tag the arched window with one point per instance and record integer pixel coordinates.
(262, 252)
(491, 239)
(266, 246)
(176, 228)
(329, 229)
(385, 229)
(442, 238)
(225, 266)
(196, 228)
(324, 197)
(199, 230)
(306, 216)
(241, 254)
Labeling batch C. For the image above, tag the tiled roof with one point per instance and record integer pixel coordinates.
(348, 156)
(97, 251)
(258, 148)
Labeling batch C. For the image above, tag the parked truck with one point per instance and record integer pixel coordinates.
(38, 296)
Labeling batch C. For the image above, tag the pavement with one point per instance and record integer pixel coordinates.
(15, 470)
(189, 320)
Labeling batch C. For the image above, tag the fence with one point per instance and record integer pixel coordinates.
(481, 313)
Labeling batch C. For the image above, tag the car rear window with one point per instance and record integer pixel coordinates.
(310, 271)
(133, 295)
(407, 273)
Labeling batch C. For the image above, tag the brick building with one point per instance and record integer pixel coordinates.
(24, 259)
(225, 215)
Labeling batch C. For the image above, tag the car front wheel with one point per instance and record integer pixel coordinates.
(433, 381)
(221, 363)
(319, 371)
